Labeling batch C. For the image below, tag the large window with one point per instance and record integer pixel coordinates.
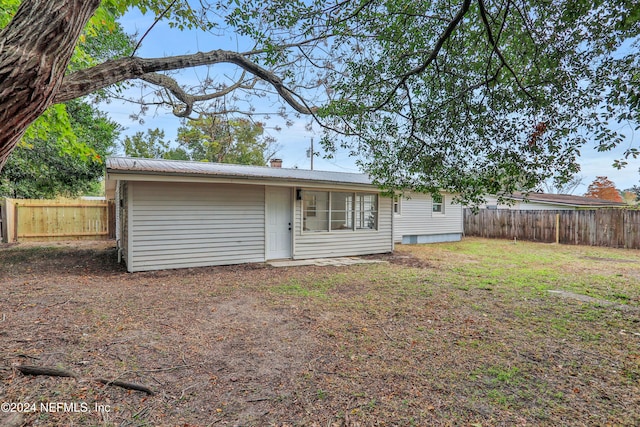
(339, 211)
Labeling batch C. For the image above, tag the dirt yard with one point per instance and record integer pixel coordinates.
(427, 338)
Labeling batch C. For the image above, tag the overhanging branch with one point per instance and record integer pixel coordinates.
(186, 98)
(453, 24)
(111, 72)
(494, 45)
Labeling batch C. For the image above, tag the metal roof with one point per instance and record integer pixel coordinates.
(565, 199)
(130, 165)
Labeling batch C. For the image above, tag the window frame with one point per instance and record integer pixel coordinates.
(344, 216)
(437, 201)
(319, 214)
(397, 204)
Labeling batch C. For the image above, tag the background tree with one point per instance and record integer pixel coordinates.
(551, 187)
(635, 190)
(215, 139)
(152, 145)
(629, 197)
(39, 169)
(604, 189)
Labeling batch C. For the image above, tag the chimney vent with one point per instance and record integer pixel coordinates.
(276, 163)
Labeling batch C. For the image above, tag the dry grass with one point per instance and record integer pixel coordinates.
(449, 334)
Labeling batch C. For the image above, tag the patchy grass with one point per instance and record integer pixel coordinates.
(460, 333)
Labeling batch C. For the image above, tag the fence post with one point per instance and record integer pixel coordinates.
(557, 228)
(15, 222)
(111, 218)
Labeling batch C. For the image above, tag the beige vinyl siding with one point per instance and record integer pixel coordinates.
(323, 244)
(176, 225)
(417, 218)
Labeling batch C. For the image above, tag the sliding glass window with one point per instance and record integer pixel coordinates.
(339, 211)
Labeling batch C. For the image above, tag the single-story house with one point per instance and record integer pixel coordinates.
(544, 201)
(175, 214)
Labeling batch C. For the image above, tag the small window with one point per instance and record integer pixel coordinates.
(438, 205)
(397, 204)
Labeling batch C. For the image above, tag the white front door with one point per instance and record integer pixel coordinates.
(279, 224)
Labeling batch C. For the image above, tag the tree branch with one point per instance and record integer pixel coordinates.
(434, 52)
(111, 72)
(186, 98)
(494, 45)
(158, 18)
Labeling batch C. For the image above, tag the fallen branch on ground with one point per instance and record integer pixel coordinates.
(55, 372)
(127, 385)
(39, 370)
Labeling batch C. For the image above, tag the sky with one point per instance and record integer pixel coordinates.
(294, 141)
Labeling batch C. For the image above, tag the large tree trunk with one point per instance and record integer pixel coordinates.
(35, 49)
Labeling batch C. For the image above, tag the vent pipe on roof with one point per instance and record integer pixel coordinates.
(276, 163)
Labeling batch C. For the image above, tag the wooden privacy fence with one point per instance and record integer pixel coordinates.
(615, 228)
(58, 220)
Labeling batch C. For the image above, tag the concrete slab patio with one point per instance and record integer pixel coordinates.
(341, 261)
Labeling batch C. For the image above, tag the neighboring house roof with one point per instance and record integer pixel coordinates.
(178, 168)
(565, 200)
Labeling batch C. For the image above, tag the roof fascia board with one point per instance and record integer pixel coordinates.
(558, 203)
(573, 205)
(546, 202)
(409, 193)
(154, 177)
